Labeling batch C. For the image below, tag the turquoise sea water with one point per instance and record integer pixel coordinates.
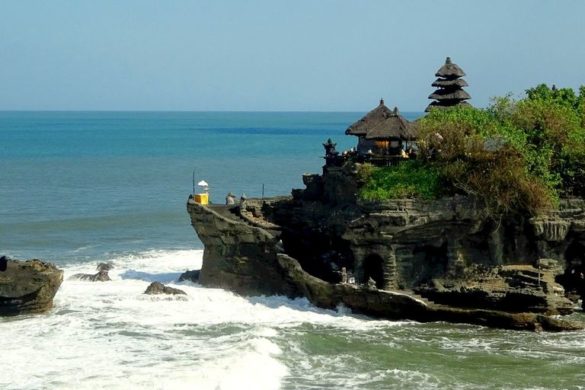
(80, 188)
(81, 185)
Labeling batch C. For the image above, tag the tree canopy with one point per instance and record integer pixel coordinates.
(516, 155)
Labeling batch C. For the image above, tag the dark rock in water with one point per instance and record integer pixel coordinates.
(28, 287)
(158, 288)
(3, 263)
(191, 276)
(105, 266)
(101, 276)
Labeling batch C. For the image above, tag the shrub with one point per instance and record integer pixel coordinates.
(482, 153)
(409, 179)
(365, 172)
(516, 156)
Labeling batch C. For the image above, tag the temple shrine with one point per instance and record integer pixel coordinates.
(449, 86)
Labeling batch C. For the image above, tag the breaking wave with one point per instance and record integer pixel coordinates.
(111, 335)
(108, 334)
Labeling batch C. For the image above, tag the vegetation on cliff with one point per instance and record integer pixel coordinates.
(411, 179)
(516, 155)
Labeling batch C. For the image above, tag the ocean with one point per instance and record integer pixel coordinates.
(79, 188)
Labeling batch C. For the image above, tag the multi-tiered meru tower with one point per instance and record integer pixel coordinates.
(449, 86)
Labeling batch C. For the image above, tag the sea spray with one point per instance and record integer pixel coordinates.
(108, 334)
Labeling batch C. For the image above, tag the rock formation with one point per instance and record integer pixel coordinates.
(101, 276)
(191, 276)
(28, 287)
(429, 260)
(156, 288)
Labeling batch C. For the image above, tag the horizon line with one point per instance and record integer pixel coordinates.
(206, 111)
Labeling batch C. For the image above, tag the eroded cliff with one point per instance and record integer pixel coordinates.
(424, 260)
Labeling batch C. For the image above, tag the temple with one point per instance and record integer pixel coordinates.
(449, 86)
(384, 136)
(445, 259)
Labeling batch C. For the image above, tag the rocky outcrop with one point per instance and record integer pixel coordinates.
(404, 305)
(446, 259)
(156, 288)
(191, 276)
(101, 276)
(511, 288)
(238, 256)
(28, 287)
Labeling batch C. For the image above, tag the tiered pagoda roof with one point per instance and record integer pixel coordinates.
(449, 86)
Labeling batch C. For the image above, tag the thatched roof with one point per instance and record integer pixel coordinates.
(395, 126)
(413, 129)
(450, 70)
(442, 83)
(383, 123)
(446, 94)
(370, 121)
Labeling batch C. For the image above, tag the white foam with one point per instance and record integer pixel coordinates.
(150, 265)
(252, 366)
(108, 334)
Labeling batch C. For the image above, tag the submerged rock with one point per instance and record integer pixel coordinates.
(158, 288)
(28, 287)
(191, 276)
(101, 276)
(105, 266)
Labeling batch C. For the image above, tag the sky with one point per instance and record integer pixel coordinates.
(276, 55)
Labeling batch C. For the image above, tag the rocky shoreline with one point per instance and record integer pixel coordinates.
(438, 260)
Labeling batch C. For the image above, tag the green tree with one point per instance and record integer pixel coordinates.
(518, 155)
(562, 96)
(480, 153)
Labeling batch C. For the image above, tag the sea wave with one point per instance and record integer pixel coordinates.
(108, 334)
(111, 335)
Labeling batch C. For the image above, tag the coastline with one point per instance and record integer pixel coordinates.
(273, 246)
